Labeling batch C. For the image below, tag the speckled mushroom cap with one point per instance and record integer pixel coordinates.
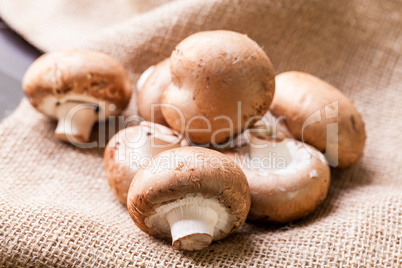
(66, 74)
(192, 173)
(150, 88)
(78, 88)
(282, 193)
(305, 99)
(131, 148)
(212, 72)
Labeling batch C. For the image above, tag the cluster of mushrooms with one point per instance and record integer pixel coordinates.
(215, 120)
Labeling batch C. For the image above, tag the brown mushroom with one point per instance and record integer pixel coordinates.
(321, 115)
(132, 148)
(220, 81)
(77, 88)
(150, 87)
(287, 179)
(191, 195)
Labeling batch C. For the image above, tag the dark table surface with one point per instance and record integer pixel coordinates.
(15, 57)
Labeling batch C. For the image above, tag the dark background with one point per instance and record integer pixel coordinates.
(15, 57)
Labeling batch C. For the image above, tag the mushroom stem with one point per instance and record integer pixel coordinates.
(266, 143)
(192, 227)
(75, 121)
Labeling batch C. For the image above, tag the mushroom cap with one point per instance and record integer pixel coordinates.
(212, 72)
(283, 195)
(300, 97)
(129, 149)
(155, 82)
(76, 75)
(191, 172)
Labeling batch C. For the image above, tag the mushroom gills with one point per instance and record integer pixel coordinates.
(193, 222)
(282, 154)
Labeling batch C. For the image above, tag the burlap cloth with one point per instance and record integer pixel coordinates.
(56, 208)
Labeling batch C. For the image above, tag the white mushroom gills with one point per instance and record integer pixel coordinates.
(193, 222)
(285, 156)
(267, 143)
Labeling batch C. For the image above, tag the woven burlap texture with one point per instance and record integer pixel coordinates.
(56, 208)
